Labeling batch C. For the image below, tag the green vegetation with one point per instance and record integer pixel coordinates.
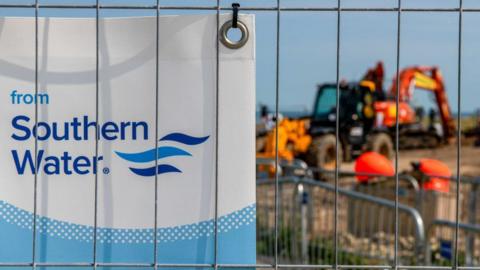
(320, 250)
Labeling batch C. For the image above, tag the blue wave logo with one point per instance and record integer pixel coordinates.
(161, 153)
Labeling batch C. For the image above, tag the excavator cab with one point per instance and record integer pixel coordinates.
(356, 104)
(356, 114)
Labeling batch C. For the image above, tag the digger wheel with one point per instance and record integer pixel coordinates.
(321, 154)
(382, 144)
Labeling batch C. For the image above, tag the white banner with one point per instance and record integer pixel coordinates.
(124, 162)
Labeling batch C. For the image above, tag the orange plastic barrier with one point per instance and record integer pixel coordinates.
(373, 163)
(435, 167)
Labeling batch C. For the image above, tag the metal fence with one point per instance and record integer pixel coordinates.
(331, 250)
(306, 224)
(426, 231)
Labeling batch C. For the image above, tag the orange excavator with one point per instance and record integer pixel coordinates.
(367, 117)
(417, 77)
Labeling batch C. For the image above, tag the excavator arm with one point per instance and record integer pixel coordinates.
(375, 76)
(426, 78)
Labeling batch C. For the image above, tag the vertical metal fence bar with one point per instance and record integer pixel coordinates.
(97, 73)
(277, 99)
(35, 177)
(337, 139)
(157, 70)
(217, 100)
(397, 125)
(459, 132)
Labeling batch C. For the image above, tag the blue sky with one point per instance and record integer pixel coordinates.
(308, 44)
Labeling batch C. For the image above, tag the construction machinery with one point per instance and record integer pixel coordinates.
(367, 119)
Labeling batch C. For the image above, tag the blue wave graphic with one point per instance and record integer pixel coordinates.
(184, 138)
(162, 168)
(149, 155)
(161, 152)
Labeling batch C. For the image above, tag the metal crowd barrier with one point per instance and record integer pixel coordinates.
(439, 248)
(306, 224)
(365, 225)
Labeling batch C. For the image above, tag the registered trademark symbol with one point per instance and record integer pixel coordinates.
(106, 170)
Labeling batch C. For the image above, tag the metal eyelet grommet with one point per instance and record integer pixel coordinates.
(233, 44)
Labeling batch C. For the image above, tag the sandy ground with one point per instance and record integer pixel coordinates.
(469, 161)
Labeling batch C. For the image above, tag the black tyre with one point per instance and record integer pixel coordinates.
(382, 144)
(321, 155)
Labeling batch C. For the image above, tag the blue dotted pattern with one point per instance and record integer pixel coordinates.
(66, 230)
